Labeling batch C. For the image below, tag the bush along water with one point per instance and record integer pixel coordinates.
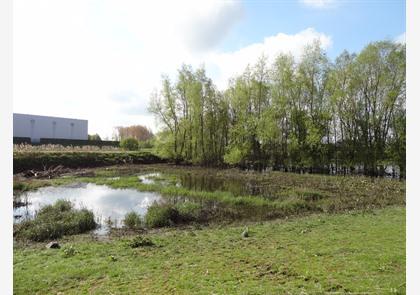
(132, 220)
(55, 221)
(161, 215)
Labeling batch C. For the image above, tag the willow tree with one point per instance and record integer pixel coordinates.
(380, 74)
(194, 114)
(293, 114)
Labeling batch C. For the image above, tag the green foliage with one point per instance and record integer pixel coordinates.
(20, 186)
(146, 144)
(161, 215)
(130, 144)
(311, 113)
(94, 137)
(54, 221)
(140, 241)
(132, 220)
(189, 211)
(234, 156)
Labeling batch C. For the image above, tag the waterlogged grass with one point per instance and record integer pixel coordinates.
(279, 194)
(321, 194)
(335, 254)
(228, 205)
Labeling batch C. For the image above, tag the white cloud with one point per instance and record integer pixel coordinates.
(318, 3)
(100, 60)
(400, 38)
(233, 63)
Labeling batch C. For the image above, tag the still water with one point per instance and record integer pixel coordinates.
(105, 202)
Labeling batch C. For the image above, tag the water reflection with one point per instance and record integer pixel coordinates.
(105, 202)
(149, 178)
(212, 183)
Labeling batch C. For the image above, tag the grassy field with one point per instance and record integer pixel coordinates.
(336, 254)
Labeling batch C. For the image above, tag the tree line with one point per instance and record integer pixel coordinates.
(139, 132)
(310, 113)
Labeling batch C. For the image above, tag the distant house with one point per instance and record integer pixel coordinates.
(36, 127)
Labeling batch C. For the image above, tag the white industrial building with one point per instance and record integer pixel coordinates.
(36, 127)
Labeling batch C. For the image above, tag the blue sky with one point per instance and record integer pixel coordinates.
(351, 24)
(102, 59)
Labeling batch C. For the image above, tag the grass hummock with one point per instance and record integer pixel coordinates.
(55, 221)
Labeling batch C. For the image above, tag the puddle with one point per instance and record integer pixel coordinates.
(149, 178)
(210, 183)
(105, 202)
(114, 178)
(157, 178)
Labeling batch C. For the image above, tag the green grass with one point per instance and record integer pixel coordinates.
(342, 253)
(132, 220)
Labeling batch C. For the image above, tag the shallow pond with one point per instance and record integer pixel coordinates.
(211, 183)
(105, 202)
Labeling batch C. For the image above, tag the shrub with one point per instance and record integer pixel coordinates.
(54, 221)
(139, 241)
(160, 215)
(188, 211)
(130, 144)
(146, 144)
(94, 137)
(85, 220)
(60, 206)
(132, 220)
(234, 156)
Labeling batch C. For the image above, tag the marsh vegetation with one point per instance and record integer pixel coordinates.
(304, 232)
(165, 195)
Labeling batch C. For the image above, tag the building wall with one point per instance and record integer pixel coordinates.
(37, 127)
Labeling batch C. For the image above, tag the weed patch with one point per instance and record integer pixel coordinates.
(140, 241)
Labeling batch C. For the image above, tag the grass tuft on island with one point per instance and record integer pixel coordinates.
(54, 221)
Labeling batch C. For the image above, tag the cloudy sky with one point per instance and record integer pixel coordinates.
(100, 60)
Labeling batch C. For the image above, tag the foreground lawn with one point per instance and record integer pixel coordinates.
(343, 253)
